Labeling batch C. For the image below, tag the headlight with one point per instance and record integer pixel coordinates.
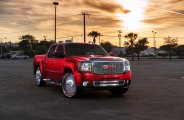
(126, 65)
(85, 66)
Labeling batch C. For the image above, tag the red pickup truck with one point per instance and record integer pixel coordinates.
(75, 66)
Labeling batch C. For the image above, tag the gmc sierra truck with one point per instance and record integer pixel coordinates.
(76, 66)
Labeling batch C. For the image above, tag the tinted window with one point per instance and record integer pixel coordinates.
(59, 53)
(51, 51)
(84, 49)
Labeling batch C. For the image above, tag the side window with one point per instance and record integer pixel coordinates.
(51, 51)
(59, 52)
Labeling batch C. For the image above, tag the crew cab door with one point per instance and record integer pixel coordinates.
(57, 67)
(49, 62)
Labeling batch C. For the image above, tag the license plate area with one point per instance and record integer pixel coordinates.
(114, 83)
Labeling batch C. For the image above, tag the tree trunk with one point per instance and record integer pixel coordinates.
(94, 40)
(132, 56)
(170, 55)
(132, 53)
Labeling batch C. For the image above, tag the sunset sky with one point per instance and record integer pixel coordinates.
(36, 17)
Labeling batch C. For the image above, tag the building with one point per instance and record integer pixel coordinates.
(119, 51)
(9, 44)
(149, 51)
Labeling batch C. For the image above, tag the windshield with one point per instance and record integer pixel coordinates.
(84, 49)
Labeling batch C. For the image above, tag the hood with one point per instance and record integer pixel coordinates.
(97, 58)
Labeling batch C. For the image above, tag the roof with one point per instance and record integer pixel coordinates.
(66, 43)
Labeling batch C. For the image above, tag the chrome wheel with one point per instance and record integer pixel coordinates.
(39, 80)
(69, 87)
(38, 76)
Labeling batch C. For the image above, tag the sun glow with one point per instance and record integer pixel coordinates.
(133, 20)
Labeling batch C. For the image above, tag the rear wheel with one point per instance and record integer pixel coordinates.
(69, 87)
(39, 80)
(119, 91)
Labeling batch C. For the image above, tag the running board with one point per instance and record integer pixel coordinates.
(53, 82)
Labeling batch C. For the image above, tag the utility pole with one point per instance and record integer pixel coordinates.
(84, 22)
(119, 35)
(154, 41)
(55, 4)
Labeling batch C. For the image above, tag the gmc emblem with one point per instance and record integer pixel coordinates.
(109, 67)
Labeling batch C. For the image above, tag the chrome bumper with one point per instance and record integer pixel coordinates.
(114, 83)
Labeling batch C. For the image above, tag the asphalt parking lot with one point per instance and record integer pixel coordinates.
(156, 93)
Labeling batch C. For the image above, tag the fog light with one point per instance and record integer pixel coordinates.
(85, 83)
(127, 82)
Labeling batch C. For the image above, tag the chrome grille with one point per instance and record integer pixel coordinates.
(108, 67)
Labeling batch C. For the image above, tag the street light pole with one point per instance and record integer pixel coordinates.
(1, 47)
(119, 35)
(45, 38)
(100, 39)
(154, 41)
(55, 4)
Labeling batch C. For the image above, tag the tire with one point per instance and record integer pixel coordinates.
(119, 91)
(39, 80)
(69, 88)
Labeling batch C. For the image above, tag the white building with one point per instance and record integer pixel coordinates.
(149, 51)
(119, 50)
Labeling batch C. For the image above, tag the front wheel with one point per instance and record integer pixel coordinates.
(69, 87)
(119, 91)
(39, 80)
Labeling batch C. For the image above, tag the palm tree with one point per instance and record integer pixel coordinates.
(132, 36)
(94, 34)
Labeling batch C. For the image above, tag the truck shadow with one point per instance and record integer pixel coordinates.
(99, 94)
(86, 94)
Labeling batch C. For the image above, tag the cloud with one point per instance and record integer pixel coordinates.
(109, 7)
(22, 15)
(165, 14)
(175, 1)
(165, 21)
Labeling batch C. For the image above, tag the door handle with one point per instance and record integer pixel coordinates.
(53, 62)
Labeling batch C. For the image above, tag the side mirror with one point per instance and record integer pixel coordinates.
(111, 53)
(58, 55)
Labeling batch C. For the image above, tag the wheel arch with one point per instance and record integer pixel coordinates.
(68, 70)
(35, 68)
(40, 66)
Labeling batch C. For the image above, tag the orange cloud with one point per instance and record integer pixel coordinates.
(109, 7)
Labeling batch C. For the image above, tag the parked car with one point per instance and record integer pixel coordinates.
(19, 56)
(6, 56)
(152, 54)
(147, 54)
(134, 54)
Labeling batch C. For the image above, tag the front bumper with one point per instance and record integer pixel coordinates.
(89, 80)
(114, 83)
